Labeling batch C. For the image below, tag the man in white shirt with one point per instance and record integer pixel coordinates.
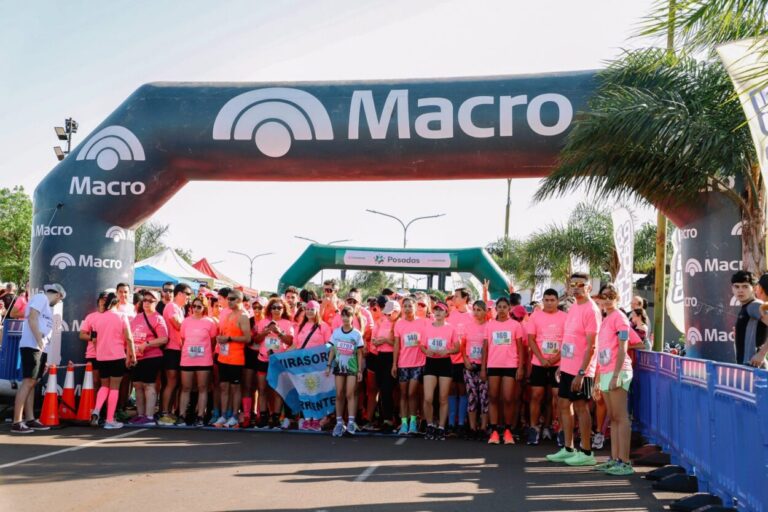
(125, 305)
(35, 337)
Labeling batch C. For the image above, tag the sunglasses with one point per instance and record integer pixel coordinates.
(352, 302)
(329, 290)
(275, 307)
(167, 290)
(149, 301)
(231, 299)
(258, 307)
(579, 284)
(421, 305)
(197, 306)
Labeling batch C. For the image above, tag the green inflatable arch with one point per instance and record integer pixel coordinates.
(474, 260)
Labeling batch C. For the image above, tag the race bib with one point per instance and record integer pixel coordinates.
(140, 337)
(197, 351)
(437, 344)
(411, 339)
(345, 347)
(224, 349)
(567, 351)
(476, 352)
(272, 344)
(604, 356)
(502, 338)
(550, 347)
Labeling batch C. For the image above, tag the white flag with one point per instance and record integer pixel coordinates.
(624, 240)
(744, 60)
(543, 282)
(675, 294)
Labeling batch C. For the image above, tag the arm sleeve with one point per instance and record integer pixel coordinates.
(753, 310)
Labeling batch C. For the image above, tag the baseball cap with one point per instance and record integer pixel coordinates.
(391, 307)
(313, 304)
(152, 293)
(519, 311)
(55, 287)
(262, 301)
(440, 305)
(356, 296)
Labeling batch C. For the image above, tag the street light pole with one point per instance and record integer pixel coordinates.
(316, 242)
(251, 259)
(405, 226)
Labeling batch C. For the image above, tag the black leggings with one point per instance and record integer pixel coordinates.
(386, 384)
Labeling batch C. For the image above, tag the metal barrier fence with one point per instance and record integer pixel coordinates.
(10, 360)
(712, 418)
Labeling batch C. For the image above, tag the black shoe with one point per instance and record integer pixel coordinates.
(440, 436)
(430, 433)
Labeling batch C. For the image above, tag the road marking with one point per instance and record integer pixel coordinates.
(365, 474)
(401, 441)
(73, 448)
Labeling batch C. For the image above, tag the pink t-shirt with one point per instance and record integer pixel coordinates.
(87, 326)
(173, 310)
(460, 321)
(502, 343)
(110, 335)
(408, 334)
(547, 329)
(271, 342)
(383, 329)
(197, 348)
(20, 304)
(608, 342)
(320, 337)
(473, 347)
(142, 334)
(443, 338)
(127, 309)
(581, 320)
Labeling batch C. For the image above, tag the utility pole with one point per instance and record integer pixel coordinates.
(251, 260)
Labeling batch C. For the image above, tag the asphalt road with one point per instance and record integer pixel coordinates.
(79, 468)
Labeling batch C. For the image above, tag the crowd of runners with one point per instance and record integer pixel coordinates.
(407, 364)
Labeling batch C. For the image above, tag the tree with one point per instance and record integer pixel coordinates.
(15, 234)
(661, 128)
(370, 283)
(149, 239)
(645, 248)
(186, 254)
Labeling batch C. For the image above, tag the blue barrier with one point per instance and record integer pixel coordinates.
(712, 418)
(10, 359)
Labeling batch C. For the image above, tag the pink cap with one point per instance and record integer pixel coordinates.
(313, 304)
(519, 311)
(440, 305)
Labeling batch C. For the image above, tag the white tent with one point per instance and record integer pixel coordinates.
(171, 263)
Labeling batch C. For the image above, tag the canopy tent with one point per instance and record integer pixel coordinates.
(171, 263)
(148, 275)
(221, 280)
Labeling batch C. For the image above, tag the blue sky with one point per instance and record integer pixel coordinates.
(83, 58)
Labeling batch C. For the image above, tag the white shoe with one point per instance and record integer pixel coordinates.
(220, 422)
(338, 430)
(113, 425)
(232, 422)
(352, 428)
(285, 424)
(598, 441)
(546, 433)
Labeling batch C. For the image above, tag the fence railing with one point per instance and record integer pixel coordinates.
(10, 363)
(712, 419)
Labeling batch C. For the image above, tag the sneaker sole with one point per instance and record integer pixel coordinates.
(22, 432)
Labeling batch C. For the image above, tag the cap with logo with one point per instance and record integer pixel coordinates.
(55, 287)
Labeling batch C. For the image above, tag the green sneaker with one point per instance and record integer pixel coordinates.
(621, 469)
(605, 465)
(581, 459)
(560, 456)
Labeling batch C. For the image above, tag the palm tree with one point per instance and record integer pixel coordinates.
(665, 129)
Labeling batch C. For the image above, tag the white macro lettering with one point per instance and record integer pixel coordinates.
(378, 126)
(443, 117)
(465, 117)
(506, 112)
(84, 186)
(42, 230)
(716, 265)
(564, 118)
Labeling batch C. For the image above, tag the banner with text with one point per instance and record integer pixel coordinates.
(299, 377)
(624, 240)
(398, 259)
(675, 294)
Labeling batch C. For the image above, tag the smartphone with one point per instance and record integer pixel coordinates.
(93, 335)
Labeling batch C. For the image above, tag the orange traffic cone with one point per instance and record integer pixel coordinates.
(87, 398)
(67, 407)
(50, 414)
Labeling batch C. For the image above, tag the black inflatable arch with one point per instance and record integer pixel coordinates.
(167, 134)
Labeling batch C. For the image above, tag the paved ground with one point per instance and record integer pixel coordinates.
(160, 469)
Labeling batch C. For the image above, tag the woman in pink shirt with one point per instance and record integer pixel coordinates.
(501, 361)
(198, 334)
(88, 334)
(251, 361)
(438, 342)
(312, 332)
(113, 335)
(150, 333)
(477, 388)
(383, 338)
(614, 368)
(408, 365)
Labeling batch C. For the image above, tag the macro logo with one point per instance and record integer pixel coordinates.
(111, 145)
(736, 230)
(735, 302)
(273, 117)
(63, 260)
(41, 230)
(118, 234)
(378, 259)
(692, 267)
(689, 233)
(693, 336)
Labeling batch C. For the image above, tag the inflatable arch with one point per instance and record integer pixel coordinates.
(167, 134)
(474, 260)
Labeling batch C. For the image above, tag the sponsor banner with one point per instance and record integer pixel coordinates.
(543, 282)
(299, 377)
(745, 62)
(398, 259)
(675, 294)
(579, 265)
(624, 241)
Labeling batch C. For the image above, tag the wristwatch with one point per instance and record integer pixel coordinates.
(582, 373)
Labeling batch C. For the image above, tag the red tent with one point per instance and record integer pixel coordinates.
(208, 269)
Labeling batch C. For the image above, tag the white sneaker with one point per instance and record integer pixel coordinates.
(338, 430)
(220, 422)
(303, 424)
(285, 424)
(546, 433)
(352, 428)
(598, 441)
(113, 425)
(232, 422)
